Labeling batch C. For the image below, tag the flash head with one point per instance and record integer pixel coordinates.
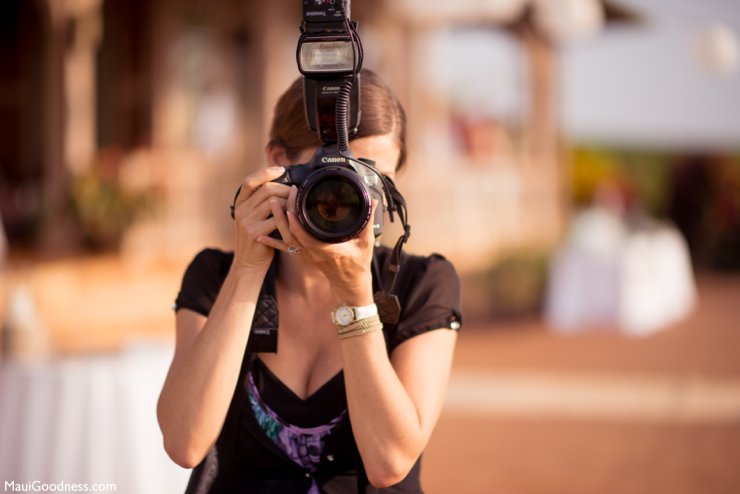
(326, 56)
(329, 55)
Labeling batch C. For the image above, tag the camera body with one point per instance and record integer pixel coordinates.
(334, 201)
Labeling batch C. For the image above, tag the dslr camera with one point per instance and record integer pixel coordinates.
(334, 201)
(335, 191)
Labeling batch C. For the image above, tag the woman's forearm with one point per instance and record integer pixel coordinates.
(204, 372)
(385, 421)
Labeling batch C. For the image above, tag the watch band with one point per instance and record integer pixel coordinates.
(365, 311)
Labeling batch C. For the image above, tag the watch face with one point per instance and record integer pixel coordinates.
(344, 315)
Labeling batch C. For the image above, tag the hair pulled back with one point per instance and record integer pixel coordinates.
(381, 113)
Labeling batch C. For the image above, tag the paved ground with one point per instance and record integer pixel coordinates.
(532, 412)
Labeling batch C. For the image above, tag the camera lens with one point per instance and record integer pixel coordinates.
(335, 205)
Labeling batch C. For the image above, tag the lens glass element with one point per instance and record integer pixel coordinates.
(334, 205)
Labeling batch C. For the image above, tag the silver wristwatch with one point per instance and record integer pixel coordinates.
(345, 315)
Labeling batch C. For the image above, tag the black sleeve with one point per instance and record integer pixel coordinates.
(202, 281)
(430, 299)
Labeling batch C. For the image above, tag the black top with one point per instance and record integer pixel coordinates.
(244, 459)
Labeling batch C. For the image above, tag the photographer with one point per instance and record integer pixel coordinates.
(337, 408)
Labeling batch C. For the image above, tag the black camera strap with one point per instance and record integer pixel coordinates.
(389, 307)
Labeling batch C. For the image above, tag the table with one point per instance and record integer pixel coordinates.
(87, 419)
(609, 276)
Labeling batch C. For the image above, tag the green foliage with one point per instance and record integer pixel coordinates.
(103, 207)
(515, 284)
(699, 192)
(640, 175)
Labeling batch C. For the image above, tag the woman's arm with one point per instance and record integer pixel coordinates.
(205, 369)
(393, 403)
(209, 352)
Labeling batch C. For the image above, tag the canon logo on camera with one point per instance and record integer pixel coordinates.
(327, 159)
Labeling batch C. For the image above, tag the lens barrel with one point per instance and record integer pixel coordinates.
(333, 204)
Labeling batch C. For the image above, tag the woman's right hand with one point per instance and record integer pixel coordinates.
(253, 217)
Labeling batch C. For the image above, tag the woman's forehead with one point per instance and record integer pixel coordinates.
(383, 149)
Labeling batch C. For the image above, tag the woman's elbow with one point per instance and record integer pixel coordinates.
(384, 481)
(184, 455)
(388, 473)
(179, 448)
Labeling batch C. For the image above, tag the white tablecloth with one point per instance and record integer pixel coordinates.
(87, 420)
(607, 276)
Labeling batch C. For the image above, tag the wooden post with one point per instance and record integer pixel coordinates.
(80, 86)
(55, 234)
(543, 168)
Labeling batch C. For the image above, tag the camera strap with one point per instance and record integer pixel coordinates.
(389, 307)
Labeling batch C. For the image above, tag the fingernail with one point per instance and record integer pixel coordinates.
(277, 169)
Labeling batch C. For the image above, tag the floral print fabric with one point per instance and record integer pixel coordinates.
(303, 445)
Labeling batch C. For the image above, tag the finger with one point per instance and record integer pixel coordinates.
(269, 189)
(292, 198)
(278, 212)
(262, 196)
(273, 242)
(369, 232)
(297, 230)
(255, 180)
(246, 211)
(256, 229)
(375, 204)
(263, 211)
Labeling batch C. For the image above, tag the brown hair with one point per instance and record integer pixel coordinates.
(381, 113)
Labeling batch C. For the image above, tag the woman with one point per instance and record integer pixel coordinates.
(335, 409)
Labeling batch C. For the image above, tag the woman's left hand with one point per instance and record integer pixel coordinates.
(346, 265)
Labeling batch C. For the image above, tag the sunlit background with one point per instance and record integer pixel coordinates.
(578, 161)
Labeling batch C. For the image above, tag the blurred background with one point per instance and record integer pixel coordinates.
(578, 161)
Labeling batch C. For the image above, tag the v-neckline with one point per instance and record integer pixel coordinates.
(289, 391)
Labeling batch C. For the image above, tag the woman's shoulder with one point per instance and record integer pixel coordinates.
(203, 279)
(212, 258)
(428, 290)
(209, 265)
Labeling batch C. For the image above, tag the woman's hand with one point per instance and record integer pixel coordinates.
(253, 217)
(346, 265)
